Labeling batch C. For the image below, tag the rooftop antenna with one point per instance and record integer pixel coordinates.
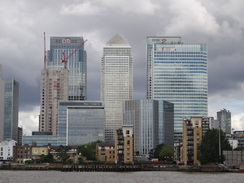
(45, 51)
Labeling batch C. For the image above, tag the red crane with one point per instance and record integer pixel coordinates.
(65, 59)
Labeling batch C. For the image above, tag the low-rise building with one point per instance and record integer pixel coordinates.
(6, 150)
(124, 143)
(72, 153)
(105, 152)
(234, 158)
(22, 153)
(239, 136)
(38, 151)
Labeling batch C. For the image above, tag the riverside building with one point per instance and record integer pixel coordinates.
(192, 138)
(116, 82)
(177, 72)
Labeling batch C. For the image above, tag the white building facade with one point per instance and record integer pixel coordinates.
(6, 150)
(116, 82)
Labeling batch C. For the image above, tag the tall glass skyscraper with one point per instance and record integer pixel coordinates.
(77, 64)
(11, 109)
(2, 85)
(116, 82)
(177, 72)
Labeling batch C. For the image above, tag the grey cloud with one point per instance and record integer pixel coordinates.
(22, 57)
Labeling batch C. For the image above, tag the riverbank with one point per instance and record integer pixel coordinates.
(115, 168)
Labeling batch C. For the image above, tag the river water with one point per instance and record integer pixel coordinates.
(124, 177)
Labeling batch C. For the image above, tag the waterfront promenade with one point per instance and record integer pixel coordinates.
(113, 167)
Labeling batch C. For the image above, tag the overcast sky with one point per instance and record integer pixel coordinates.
(217, 23)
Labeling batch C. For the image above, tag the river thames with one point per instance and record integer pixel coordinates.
(117, 177)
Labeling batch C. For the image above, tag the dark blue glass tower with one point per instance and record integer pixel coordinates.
(76, 64)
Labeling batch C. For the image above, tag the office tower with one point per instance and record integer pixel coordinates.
(73, 49)
(11, 109)
(177, 72)
(191, 140)
(2, 85)
(54, 87)
(124, 151)
(153, 123)
(224, 118)
(116, 82)
(20, 135)
(80, 122)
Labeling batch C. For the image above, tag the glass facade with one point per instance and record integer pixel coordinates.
(153, 123)
(177, 72)
(41, 140)
(116, 82)
(224, 118)
(77, 64)
(11, 109)
(2, 85)
(80, 122)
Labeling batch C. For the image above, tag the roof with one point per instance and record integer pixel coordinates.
(117, 40)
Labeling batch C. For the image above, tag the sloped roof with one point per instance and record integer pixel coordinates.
(117, 40)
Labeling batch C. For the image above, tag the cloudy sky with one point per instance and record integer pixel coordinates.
(218, 23)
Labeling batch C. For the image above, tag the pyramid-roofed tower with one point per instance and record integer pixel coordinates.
(117, 40)
(116, 82)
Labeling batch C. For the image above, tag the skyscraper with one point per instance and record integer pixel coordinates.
(77, 63)
(54, 87)
(80, 122)
(177, 72)
(224, 118)
(153, 123)
(116, 82)
(11, 109)
(2, 85)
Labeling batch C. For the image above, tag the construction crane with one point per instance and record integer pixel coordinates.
(65, 59)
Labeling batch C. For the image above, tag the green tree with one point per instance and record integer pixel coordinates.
(163, 152)
(209, 148)
(48, 158)
(89, 150)
(62, 153)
